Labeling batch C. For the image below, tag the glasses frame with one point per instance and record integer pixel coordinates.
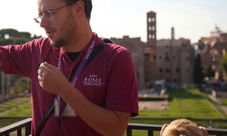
(49, 13)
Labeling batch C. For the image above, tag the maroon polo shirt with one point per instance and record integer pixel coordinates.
(108, 81)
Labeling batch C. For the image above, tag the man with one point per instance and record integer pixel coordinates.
(92, 96)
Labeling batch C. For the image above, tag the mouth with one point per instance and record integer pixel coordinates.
(49, 33)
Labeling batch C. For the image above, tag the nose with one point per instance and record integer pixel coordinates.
(44, 22)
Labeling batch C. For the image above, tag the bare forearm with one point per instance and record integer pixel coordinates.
(102, 120)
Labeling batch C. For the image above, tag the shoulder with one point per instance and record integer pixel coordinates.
(34, 43)
(115, 49)
(114, 54)
(41, 41)
(37, 45)
(111, 48)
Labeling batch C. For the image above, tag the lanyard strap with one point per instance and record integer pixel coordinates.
(61, 103)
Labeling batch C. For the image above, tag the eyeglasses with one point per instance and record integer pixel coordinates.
(49, 13)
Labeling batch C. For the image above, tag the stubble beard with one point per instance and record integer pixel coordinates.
(67, 32)
(58, 43)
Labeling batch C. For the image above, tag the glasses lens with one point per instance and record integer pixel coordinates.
(48, 14)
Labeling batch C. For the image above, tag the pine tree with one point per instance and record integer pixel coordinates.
(198, 71)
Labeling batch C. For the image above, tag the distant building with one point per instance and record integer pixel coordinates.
(215, 36)
(151, 28)
(169, 59)
(175, 60)
(150, 51)
(215, 47)
(150, 65)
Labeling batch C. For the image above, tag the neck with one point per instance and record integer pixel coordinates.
(79, 41)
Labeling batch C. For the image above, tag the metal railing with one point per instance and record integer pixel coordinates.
(17, 127)
(150, 128)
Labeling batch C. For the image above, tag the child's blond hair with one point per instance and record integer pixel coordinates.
(181, 127)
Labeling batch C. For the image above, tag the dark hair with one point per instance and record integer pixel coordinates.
(88, 6)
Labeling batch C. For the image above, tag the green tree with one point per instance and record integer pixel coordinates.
(22, 85)
(208, 72)
(13, 41)
(9, 31)
(201, 45)
(14, 33)
(15, 37)
(223, 63)
(198, 71)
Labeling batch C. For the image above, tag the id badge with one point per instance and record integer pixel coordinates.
(68, 112)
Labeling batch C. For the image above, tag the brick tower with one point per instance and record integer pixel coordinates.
(151, 28)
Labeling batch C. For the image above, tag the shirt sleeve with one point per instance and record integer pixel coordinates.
(20, 59)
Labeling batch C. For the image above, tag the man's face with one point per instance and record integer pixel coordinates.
(57, 21)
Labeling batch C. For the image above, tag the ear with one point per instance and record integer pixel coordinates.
(80, 7)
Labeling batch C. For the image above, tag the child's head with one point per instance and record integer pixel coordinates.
(181, 127)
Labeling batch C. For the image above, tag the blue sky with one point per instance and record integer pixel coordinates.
(191, 19)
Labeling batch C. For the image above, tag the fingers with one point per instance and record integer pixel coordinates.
(49, 75)
(42, 71)
(50, 67)
(204, 131)
(45, 69)
(163, 128)
(41, 75)
(47, 66)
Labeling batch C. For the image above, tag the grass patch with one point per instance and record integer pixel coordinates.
(20, 111)
(14, 110)
(215, 105)
(16, 107)
(223, 101)
(142, 133)
(184, 103)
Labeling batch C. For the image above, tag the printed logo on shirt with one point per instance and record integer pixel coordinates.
(92, 80)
